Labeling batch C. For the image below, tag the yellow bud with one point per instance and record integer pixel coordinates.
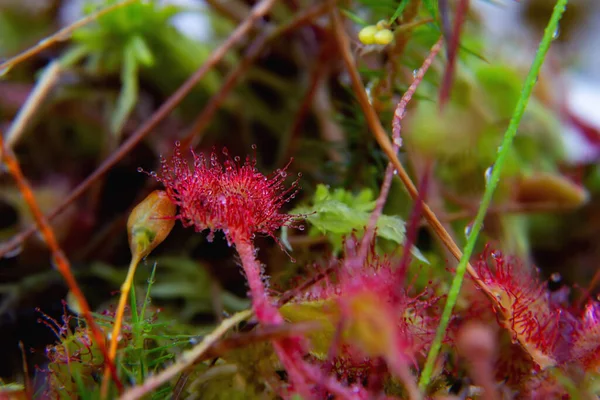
(384, 36)
(149, 223)
(367, 34)
(382, 24)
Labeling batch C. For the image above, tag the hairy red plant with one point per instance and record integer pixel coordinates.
(76, 356)
(376, 316)
(237, 199)
(586, 348)
(525, 308)
(231, 196)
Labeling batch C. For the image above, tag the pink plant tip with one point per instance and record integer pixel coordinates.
(525, 307)
(230, 196)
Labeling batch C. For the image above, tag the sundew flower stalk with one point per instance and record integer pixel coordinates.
(236, 198)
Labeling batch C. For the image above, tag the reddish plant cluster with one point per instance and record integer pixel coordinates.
(375, 329)
(586, 348)
(231, 196)
(240, 201)
(379, 321)
(524, 307)
(548, 332)
(74, 359)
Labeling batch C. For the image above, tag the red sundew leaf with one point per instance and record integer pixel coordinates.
(230, 196)
(541, 328)
(586, 349)
(377, 318)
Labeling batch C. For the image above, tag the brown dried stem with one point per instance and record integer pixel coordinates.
(59, 36)
(199, 125)
(315, 79)
(60, 260)
(386, 145)
(39, 93)
(396, 143)
(251, 54)
(237, 35)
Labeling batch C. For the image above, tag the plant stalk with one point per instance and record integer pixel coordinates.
(492, 183)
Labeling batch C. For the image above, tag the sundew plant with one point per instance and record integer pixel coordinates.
(374, 199)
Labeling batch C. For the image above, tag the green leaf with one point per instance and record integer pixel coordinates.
(142, 51)
(401, 6)
(339, 213)
(129, 91)
(354, 18)
(431, 7)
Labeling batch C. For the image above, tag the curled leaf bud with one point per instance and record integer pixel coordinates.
(367, 34)
(551, 188)
(149, 223)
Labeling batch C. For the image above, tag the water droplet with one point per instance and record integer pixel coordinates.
(301, 227)
(140, 169)
(468, 229)
(415, 73)
(153, 174)
(556, 33)
(177, 143)
(398, 141)
(488, 174)
(395, 172)
(253, 147)
(555, 277)
(496, 254)
(5, 70)
(13, 252)
(237, 158)
(299, 174)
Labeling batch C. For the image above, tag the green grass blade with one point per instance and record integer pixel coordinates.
(492, 183)
(401, 6)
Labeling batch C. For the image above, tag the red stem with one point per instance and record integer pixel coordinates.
(265, 311)
(289, 350)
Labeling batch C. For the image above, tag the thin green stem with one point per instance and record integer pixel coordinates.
(138, 321)
(138, 341)
(148, 290)
(492, 183)
(401, 6)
